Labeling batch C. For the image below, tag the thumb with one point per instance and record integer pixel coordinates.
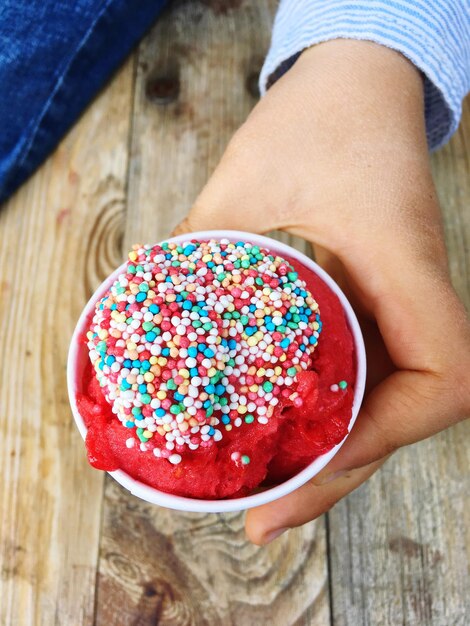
(232, 198)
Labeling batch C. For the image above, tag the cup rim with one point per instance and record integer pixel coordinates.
(181, 503)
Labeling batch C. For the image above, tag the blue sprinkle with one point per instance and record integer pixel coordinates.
(142, 388)
(270, 327)
(252, 308)
(166, 352)
(219, 389)
(193, 372)
(192, 351)
(150, 336)
(141, 296)
(160, 412)
(285, 343)
(113, 307)
(207, 404)
(110, 359)
(232, 344)
(178, 396)
(130, 424)
(188, 250)
(127, 363)
(201, 347)
(154, 308)
(209, 389)
(209, 353)
(211, 431)
(125, 385)
(225, 419)
(145, 365)
(136, 363)
(187, 304)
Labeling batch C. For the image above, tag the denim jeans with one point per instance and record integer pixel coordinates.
(54, 57)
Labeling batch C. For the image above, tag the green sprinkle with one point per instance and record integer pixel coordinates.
(342, 384)
(291, 371)
(292, 276)
(171, 384)
(244, 319)
(249, 419)
(175, 409)
(209, 410)
(267, 386)
(245, 459)
(147, 326)
(146, 398)
(207, 326)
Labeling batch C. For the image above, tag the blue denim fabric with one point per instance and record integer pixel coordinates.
(54, 57)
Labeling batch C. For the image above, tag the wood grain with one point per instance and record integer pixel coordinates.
(400, 545)
(76, 554)
(194, 87)
(59, 237)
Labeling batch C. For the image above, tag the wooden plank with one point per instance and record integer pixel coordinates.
(399, 545)
(60, 235)
(159, 566)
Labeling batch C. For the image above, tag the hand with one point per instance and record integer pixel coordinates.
(336, 153)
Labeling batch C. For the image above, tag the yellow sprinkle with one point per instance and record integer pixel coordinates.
(166, 428)
(206, 258)
(254, 388)
(278, 370)
(151, 294)
(270, 349)
(148, 377)
(228, 427)
(132, 256)
(153, 359)
(261, 372)
(148, 434)
(282, 358)
(316, 325)
(131, 346)
(161, 431)
(184, 373)
(242, 409)
(161, 395)
(162, 360)
(252, 341)
(102, 333)
(211, 372)
(266, 291)
(183, 427)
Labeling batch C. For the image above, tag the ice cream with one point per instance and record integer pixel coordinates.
(215, 367)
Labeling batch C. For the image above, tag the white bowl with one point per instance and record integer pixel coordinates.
(78, 357)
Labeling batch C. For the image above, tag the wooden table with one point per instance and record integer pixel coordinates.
(75, 548)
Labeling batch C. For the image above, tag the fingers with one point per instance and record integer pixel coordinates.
(403, 409)
(265, 523)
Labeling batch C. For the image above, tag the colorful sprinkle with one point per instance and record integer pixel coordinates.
(197, 338)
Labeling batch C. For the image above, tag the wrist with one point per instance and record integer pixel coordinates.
(366, 88)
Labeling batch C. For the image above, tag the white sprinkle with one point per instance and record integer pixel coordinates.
(130, 442)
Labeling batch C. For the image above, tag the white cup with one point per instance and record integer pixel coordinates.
(78, 358)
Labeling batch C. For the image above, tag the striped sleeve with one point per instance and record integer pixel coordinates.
(433, 34)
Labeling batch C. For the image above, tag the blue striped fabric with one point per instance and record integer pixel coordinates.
(433, 34)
